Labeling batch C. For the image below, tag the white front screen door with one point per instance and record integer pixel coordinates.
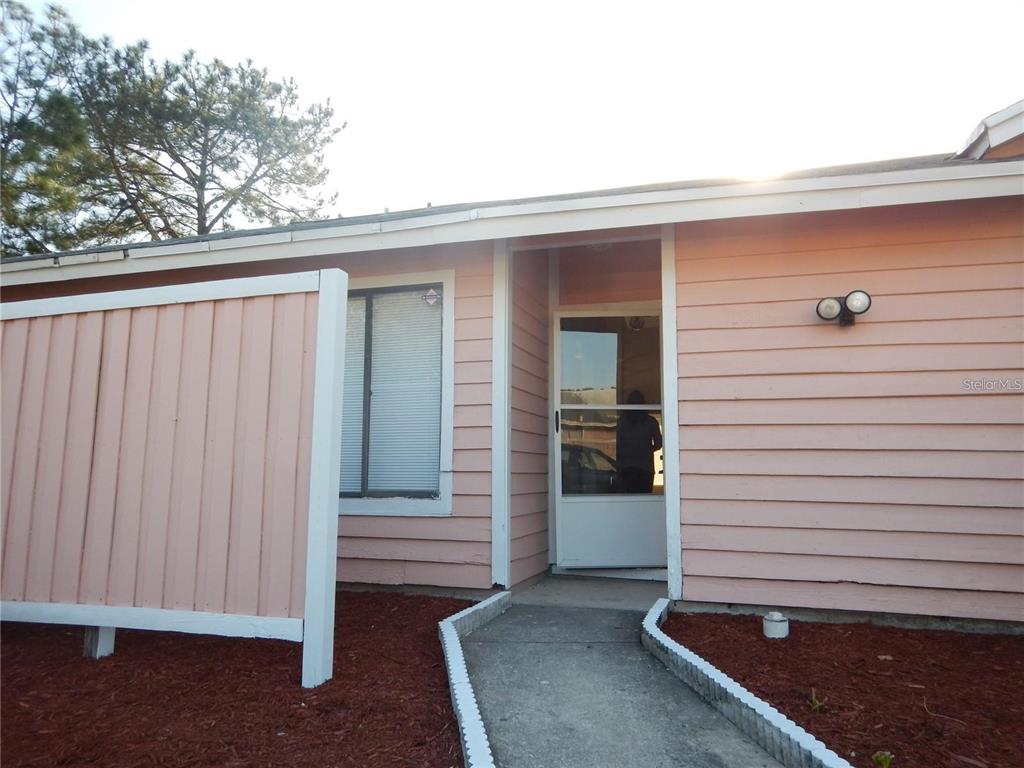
(609, 483)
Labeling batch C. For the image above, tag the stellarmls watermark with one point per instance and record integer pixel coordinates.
(993, 385)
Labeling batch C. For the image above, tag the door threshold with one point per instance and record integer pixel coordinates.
(638, 574)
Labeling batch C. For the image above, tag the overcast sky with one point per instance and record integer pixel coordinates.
(463, 101)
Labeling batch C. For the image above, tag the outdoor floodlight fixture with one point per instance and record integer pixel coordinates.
(845, 308)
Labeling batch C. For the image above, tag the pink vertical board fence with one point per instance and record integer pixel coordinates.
(170, 460)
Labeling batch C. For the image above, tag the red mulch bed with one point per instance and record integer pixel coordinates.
(167, 699)
(933, 699)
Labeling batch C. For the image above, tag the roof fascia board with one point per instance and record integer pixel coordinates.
(75, 258)
(270, 238)
(170, 249)
(348, 230)
(763, 188)
(341, 230)
(571, 215)
(1006, 130)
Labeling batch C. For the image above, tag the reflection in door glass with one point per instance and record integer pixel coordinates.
(609, 451)
(605, 359)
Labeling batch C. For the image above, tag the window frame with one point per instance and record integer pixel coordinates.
(416, 506)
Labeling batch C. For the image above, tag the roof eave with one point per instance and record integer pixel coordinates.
(544, 217)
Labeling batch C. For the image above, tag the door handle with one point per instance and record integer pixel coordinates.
(556, 422)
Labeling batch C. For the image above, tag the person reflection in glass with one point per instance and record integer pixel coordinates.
(636, 440)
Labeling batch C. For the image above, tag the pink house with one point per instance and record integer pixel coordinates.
(625, 379)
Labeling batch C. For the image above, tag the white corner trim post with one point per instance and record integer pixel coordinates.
(779, 736)
(670, 411)
(476, 747)
(501, 544)
(99, 642)
(324, 470)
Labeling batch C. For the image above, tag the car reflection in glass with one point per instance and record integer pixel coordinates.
(587, 470)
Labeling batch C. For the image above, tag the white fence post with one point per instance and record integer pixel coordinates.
(99, 642)
(324, 471)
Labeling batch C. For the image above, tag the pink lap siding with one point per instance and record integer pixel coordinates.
(529, 392)
(855, 467)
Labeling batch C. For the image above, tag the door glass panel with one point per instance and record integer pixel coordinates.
(611, 451)
(608, 361)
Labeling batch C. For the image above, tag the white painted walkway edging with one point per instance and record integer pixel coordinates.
(476, 748)
(786, 741)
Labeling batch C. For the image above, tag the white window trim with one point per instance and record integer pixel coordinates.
(442, 505)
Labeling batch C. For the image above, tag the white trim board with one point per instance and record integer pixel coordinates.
(161, 619)
(238, 288)
(670, 411)
(501, 418)
(544, 217)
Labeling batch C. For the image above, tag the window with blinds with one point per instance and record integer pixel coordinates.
(391, 416)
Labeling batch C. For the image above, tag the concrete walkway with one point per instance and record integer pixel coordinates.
(561, 687)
